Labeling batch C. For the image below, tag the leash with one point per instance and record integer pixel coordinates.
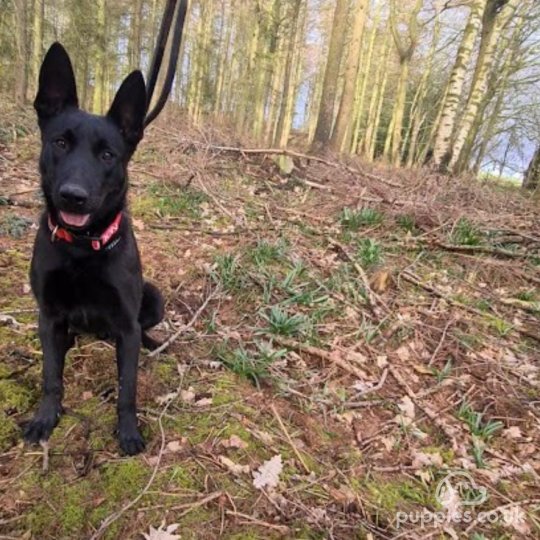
(174, 14)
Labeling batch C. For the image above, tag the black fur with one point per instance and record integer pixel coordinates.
(83, 167)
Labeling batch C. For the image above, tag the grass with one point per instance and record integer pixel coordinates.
(253, 365)
(265, 252)
(369, 253)
(353, 220)
(226, 272)
(466, 233)
(284, 324)
(474, 419)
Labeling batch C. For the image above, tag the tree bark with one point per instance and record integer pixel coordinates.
(343, 129)
(531, 179)
(493, 23)
(443, 139)
(323, 129)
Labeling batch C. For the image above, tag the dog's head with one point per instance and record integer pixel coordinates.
(84, 157)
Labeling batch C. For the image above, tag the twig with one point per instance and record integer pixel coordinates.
(186, 327)
(448, 430)
(482, 249)
(189, 507)
(415, 280)
(373, 298)
(114, 517)
(283, 529)
(45, 446)
(309, 157)
(331, 357)
(288, 437)
(438, 348)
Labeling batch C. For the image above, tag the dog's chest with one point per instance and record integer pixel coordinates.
(84, 296)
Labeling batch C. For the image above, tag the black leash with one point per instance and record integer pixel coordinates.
(175, 13)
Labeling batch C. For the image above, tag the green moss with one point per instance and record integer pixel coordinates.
(8, 431)
(395, 495)
(73, 514)
(123, 478)
(14, 396)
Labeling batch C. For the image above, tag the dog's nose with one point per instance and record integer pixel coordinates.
(73, 195)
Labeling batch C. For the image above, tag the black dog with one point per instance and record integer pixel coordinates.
(86, 271)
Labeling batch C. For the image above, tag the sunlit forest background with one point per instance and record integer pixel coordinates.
(450, 83)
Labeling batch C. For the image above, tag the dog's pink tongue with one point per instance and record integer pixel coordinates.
(75, 220)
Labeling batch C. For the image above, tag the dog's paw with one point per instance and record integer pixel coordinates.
(42, 425)
(130, 440)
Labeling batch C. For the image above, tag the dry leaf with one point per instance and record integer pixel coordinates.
(512, 433)
(162, 532)
(138, 224)
(407, 407)
(204, 402)
(176, 446)
(166, 398)
(516, 518)
(268, 473)
(421, 459)
(187, 395)
(234, 442)
(233, 467)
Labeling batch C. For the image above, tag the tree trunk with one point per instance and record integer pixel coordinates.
(287, 101)
(343, 129)
(37, 40)
(99, 59)
(392, 147)
(443, 139)
(494, 21)
(531, 179)
(21, 34)
(323, 130)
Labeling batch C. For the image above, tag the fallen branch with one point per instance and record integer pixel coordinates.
(289, 439)
(185, 327)
(415, 280)
(482, 249)
(330, 357)
(373, 299)
(309, 157)
(447, 429)
(283, 529)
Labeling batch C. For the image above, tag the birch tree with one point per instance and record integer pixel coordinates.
(458, 76)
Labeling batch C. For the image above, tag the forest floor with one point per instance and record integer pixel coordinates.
(361, 334)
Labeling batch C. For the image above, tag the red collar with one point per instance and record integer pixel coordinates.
(97, 243)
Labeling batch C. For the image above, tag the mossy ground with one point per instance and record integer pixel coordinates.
(284, 261)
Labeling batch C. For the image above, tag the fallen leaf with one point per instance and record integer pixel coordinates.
(138, 224)
(188, 395)
(162, 532)
(268, 473)
(234, 442)
(176, 446)
(233, 467)
(512, 432)
(407, 407)
(166, 398)
(204, 402)
(421, 459)
(516, 518)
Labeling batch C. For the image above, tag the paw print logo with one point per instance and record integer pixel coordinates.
(459, 489)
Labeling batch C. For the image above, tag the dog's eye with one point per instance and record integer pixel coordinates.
(107, 156)
(60, 143)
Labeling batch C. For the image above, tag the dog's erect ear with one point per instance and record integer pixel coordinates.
(57, 88)
(129, 108)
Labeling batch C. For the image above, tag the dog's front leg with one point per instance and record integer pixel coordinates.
(128, 346)
(55, 342)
